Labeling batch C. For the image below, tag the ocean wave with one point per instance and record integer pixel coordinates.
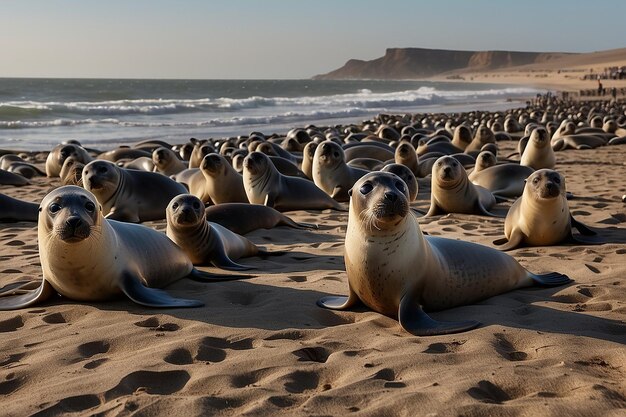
(14, 112)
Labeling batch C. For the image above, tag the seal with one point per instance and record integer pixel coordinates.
(124, 152)
(86, 257)
(58, 155)
(504, 180)
(265, 185)
(143, 163)
(483, 136)
(72, 172)
(206, 242)
(538, 153)
(307, 159)
(397, 271)
(331, 173)
(9, 178)
(452, 192)
(462, 137)
(127, 195)
(167, 162)
(405, 154)
(243, 218)
(541, 216)
(14, 210)
(201, 148)
(405, 175)
(222, 184)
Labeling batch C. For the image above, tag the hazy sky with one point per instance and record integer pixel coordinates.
(279, 39)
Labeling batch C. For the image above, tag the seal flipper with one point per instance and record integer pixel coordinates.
(584, 230)
(202, 276)
(415, 321)
(480, 209)
(151, 297)
(552, 279)
(220, 259)
(28, 298)
(434, 209)
(508, 244)
(269, 201)
(339, 302)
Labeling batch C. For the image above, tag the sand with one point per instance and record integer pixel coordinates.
(262, 346)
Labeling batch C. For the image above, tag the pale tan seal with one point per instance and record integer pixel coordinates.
(167, 162)
(127, 195)
(538, 153)
(72, 172)
(201, 148)
(206, 242)
(405, 154)
(462, 137)
(541, 216)
(58, 155)
(504, 180)
(331, 173)
(86, 257)
(307, 159)
(143, 163)
(483, 136)
(265, 185)
(452, 192)
(395, 270)
(220, 184)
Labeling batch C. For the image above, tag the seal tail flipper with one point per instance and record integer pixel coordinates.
(25, 298)
(415, 321)
(552, 279)
(584, 230)
(151, 297)
(203, 276)
(509, 244)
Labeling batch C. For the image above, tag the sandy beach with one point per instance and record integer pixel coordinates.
(262, 347)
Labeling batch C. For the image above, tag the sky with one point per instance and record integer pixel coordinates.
(280, 39)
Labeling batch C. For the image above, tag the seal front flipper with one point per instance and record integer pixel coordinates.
(151, 297)
(415, 321)
(338, 302)
(552, 279)
(28, 298)
(513, 242)
(584, 230)
(220, 259)
(482, 210)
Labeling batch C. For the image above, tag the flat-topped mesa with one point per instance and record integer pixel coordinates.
(408, 63)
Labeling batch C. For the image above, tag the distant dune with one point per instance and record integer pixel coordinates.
(408, 63)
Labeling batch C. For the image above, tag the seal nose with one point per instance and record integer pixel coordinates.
(74, 222)
(549, 186)
(391, 196)
(447, 170)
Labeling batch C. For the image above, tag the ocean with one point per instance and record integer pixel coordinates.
(36, 114)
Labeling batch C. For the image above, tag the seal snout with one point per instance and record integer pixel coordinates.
(74, 229)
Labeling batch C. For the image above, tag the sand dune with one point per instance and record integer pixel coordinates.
(262, 346)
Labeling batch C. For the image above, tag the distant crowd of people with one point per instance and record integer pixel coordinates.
(610, 73)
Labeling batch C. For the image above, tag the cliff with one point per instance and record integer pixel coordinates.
(408, 63)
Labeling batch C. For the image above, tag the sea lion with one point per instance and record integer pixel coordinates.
(331, 173)
(14, 210)
(72, 172)
(395, 270)
(167, 162)
(127, 195)
(538, 153)
(452, 192)
(265, 185)
(541, 216)
(504, 180)
(243, 218)
(86, 257)
(405, 175)
(58, 155)
(9, 178)
(222, 184)
(205, 242)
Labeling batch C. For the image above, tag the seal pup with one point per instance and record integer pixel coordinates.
(72, 172)
(504, 180)
(58, 155)
(397, 271)
(307, 159)
(265, 185)
(483, 136)
(9, 178)
(86, 257)
(201, 148)
(14, 210)
(206, 242)
(220, 184)
(452, 192)
(331, 173)
(538, 153)
(127, 195)
(167, 162)
(243, 218)
(541, 216)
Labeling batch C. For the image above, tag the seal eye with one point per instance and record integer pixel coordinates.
(102, 170)
(556, 180)
(90, 206)
(54, 208)
(175, 206)
(196, 205)
(366, 188)
(400, 186)
(536, 180)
